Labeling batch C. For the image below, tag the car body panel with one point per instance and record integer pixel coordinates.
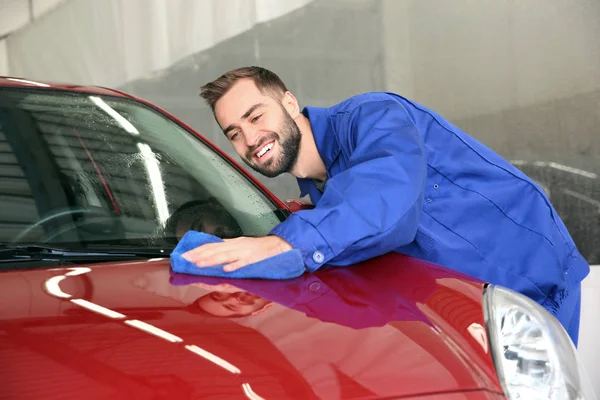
(388, 328)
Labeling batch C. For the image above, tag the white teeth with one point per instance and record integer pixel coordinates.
(264, 150)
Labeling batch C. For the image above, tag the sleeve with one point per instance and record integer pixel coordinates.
(374, 206)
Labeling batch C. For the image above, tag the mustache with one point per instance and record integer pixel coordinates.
(267, 138)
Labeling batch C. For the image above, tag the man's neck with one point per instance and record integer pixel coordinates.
(309, 164)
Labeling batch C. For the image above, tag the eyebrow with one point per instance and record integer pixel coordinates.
(245, 116)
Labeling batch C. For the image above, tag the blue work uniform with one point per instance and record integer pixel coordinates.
(402, 178)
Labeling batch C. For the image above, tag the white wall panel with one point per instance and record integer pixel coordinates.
(40, 7)
(270, 9)
(546, 50)
(112, 42)
(14, 14)
(79, 43)
(3, 58)
(589, 348)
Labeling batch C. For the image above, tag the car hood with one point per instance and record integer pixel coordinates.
(391, 327)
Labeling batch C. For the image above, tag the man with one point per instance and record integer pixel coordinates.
(387, 174)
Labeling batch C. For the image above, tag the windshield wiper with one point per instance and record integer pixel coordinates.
(12, 253)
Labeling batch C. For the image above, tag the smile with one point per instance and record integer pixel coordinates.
(265, 150)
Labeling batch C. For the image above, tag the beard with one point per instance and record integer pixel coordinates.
(288, 140)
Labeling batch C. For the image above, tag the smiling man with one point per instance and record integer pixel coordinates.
(387, 174)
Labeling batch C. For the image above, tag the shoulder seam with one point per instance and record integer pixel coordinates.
(389, 98)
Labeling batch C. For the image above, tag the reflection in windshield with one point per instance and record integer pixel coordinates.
(207, 216)
(99, 170)
(156, 182)
(118, 117)
(158, 189)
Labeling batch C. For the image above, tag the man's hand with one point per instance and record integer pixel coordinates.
(237, 253)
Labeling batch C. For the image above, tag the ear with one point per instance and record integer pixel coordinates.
(291, 104)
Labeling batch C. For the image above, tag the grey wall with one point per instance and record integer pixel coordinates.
(522, 77)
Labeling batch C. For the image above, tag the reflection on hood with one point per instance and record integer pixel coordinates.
(373, 294)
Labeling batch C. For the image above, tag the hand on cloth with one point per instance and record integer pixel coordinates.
(237, 253)
(268, 257)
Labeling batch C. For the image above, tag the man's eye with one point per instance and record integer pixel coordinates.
(256, 118)
(233, 136)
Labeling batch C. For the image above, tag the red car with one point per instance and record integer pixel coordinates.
(96, 188)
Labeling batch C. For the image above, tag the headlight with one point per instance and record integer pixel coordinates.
(533, 354)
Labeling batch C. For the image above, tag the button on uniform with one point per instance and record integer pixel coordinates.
(318, 257)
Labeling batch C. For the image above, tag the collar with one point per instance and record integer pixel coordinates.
(326, 141)
(324, 134)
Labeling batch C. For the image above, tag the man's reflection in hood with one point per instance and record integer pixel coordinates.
(210, 217)
(373, 294)
(250, 322)
(234, 304)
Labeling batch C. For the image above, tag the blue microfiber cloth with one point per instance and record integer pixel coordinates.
(286, 265)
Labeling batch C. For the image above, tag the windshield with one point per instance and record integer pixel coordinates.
(82, 170)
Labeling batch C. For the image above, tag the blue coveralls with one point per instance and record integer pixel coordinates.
(402, 178)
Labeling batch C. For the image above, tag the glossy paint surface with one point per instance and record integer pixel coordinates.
(388, 328)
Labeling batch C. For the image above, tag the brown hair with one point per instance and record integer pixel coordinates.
(266, 81)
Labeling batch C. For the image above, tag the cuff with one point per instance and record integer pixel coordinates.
(303, 236)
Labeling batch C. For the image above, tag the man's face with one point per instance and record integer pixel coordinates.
(260, 129)
(236, 304)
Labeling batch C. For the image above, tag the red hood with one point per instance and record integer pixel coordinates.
(379, 330)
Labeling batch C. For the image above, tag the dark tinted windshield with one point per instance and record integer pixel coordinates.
(84, 169)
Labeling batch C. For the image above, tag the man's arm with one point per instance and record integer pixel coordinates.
(368, 210)
(374, 206)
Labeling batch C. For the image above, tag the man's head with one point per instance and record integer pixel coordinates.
(258, 115)
(234, 304)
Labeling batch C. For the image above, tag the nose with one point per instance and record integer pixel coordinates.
(251, 136)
